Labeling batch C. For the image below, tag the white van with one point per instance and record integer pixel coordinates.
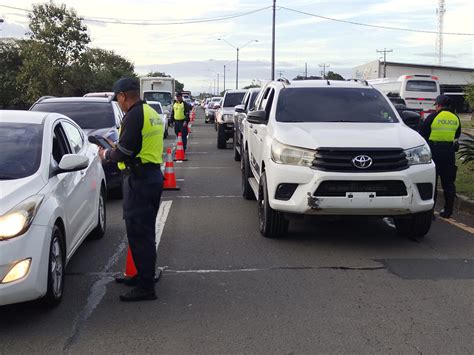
(418, 91)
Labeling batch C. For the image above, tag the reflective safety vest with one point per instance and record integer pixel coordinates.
(178, 108)
(444, 127)
(152, 138)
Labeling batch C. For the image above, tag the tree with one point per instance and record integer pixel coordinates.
(333, 76)
(52, 56)
(105, 68)
(10, 62)
(470, 95)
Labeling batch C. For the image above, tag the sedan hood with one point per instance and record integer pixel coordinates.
(12, 192)
(347, 135)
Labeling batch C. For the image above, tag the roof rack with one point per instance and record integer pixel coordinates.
(362, 81)
(283, 80)
(44, 98)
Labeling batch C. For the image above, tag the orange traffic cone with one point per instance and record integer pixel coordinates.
(193, 115)
(180, 155)
(169, 182)
(130, 269)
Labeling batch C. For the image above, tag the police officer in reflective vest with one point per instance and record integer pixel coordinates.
(441, 130)
(180, 116)
(139, 155)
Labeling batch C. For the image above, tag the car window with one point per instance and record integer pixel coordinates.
(333, 105)
(157, 108)
(251, 103)
(76, 139)
(60, 145)
(233, 99)
(88, 115)
(421, 85)
(21, 146)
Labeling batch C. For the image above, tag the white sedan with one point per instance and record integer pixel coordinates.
(52, 196)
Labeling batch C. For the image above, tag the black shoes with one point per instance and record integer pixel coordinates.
(445, 213)
(139, 294)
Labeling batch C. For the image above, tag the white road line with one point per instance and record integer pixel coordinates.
(161, 220)
(197, 153)
(180, 180)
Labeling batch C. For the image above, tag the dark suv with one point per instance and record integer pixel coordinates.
(96, 116)
(240, 113)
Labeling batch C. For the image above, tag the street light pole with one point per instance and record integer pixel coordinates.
(273, 40)
(224, 76)
(237, 64)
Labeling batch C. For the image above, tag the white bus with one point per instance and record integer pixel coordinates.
(418, 91)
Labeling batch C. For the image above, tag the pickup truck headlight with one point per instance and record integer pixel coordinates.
(285, 154)
(17, 221)
(418, 155)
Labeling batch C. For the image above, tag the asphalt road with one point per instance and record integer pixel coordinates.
(331, 286)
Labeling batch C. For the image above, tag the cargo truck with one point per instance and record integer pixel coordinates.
(159, 89)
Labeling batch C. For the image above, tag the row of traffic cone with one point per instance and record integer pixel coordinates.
(169, 183)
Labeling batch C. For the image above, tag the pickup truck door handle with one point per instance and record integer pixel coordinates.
(251, 126)
(255, 131)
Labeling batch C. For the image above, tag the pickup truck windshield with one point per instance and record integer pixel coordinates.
(233, 99)
(333, 105)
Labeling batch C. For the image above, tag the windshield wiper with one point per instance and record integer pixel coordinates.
(7, 177)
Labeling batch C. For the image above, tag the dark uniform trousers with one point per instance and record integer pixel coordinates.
(179, 127)
(445, 160)
(141, 202)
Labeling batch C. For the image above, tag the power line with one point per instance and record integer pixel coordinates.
(375, 26)
(155, 22)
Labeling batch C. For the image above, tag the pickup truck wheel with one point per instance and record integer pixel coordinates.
(221, 141)
(236, 152)
(247, 191)
(272, 223)
(415, 226)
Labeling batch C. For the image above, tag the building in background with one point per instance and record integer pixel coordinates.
(453, 80)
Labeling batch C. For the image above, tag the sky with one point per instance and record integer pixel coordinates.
(193, 54)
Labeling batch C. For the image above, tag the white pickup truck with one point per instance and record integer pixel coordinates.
(334, 148)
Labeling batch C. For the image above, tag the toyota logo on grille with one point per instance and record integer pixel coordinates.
(362, 161)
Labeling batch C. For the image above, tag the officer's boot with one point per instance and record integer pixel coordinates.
(447, 211)
(144, 291)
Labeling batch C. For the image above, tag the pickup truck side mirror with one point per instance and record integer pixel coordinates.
(239, 109)
(411, 119)
(257, 117)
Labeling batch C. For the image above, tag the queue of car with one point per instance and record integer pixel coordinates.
(53, 189)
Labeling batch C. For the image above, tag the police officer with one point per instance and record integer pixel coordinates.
(180, 116)
(139, 155)
(441, 129)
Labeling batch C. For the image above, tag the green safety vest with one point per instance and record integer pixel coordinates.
(152, 138)
(178, 108)
(444, 127)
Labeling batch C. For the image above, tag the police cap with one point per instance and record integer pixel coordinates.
(443, 100)
(124, 85)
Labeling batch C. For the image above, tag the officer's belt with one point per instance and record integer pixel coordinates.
(441, 144)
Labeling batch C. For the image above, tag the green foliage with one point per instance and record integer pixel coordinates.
(470, 95)
(251, 86)
(333, 76)
(10, 62)
(466, 149)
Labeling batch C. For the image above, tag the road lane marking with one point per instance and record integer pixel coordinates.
(203, 196)
(455, 223)
(298, 268)
(161, 220)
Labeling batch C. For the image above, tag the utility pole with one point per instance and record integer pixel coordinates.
(237, 71)
(273, 40)
(439, 38)
(323, 71)
(385, 51)
(224, 76)
(217, 83)
(306, 70)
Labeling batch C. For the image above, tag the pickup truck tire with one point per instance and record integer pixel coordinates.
(221, 141)
(247, 191)
(415, 226)
(272, 224)
(236, 152)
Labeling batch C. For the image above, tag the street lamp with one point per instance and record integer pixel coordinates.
(237, 65)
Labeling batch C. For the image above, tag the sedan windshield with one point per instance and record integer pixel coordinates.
(88, 115)
(20, 147)
(333, 105)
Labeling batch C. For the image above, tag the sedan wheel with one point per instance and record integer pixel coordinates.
(55, 286)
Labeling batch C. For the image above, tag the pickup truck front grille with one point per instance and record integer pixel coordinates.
(341, 159)
(381, 188)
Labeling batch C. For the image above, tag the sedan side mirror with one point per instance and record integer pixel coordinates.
(411, 119)
(72, 162)
(239, 109)
(257, 117)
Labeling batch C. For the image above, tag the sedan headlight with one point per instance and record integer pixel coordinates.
(418, 155)
(285, 154)
(17, 221)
